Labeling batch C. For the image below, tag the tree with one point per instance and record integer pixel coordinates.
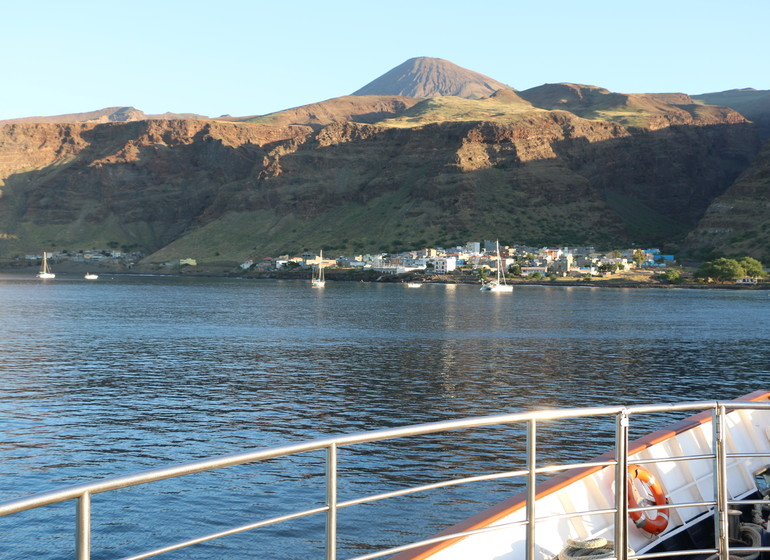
(720, 270)
(639, 257)
(672, 276)
(607, 267)
(751, 267)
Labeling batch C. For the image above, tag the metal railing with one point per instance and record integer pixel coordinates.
(83, 493)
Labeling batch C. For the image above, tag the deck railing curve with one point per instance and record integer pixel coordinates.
(82, 493)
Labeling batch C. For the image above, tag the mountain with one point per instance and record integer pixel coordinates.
(751, 103)
(111, 114)
(646, 110)
(432, 77)
(561, 164)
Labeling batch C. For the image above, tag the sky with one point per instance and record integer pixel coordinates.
(254, 57)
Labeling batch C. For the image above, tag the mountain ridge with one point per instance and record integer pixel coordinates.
(558, 164)
(108, 114)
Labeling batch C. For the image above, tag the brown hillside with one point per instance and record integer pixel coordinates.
(211, 189)
(639, 110)
(363, 109)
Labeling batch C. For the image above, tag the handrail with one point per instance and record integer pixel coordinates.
(330, 445)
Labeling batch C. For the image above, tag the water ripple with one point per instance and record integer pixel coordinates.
(134, 373)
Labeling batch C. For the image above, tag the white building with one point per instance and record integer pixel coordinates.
(444, 265)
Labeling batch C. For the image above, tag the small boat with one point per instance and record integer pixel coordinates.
(318, 280)
(90, 276)
(45, 270)
(414, 284)
(698, 488)
(498, 285)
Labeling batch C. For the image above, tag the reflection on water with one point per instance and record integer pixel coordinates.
(101, 378)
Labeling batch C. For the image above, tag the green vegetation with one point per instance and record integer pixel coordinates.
(643, 222)
(672, 276)
(454, 109)
(607, 268)
(751, 267)
(726, 270)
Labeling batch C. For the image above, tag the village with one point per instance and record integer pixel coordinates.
(473, 258)
(576, 262)
(472, 262)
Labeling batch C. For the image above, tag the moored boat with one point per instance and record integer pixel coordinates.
(499, 284)
(91, 276)
(693, 489)
(45, 270)
(318, 280)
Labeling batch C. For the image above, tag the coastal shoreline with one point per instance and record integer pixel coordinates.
(348, 275)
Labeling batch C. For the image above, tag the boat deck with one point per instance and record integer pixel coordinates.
(709, 464)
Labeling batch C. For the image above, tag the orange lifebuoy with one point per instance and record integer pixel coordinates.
(651, 521)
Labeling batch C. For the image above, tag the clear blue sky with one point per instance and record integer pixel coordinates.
(254, 57)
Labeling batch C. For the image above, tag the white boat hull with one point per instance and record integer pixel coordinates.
(319, 281)
(498, 285)
(592, 489)
(579, 504)
(45, 271)
(493, 287)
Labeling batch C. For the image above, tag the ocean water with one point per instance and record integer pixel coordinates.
(128, 373)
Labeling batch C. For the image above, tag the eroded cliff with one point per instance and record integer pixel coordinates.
(236, 190)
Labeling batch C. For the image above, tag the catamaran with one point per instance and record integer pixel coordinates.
(498, 285)
(318, 280)
(45, 270)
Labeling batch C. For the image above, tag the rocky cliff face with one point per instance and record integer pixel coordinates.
(737, 223)
(236, 190)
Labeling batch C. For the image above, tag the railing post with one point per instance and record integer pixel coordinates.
(720, 482)
(531, 486)
(83, 528)
(621, 485)
(331, 501)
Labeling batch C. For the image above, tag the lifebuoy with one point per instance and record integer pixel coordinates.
(651, 521)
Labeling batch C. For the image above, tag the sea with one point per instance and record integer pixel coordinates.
(128, 373)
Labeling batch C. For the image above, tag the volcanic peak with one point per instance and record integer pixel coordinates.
(425, 77)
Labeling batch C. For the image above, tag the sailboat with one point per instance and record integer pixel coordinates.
(318, 280)
(45, 270)
(498, 285)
